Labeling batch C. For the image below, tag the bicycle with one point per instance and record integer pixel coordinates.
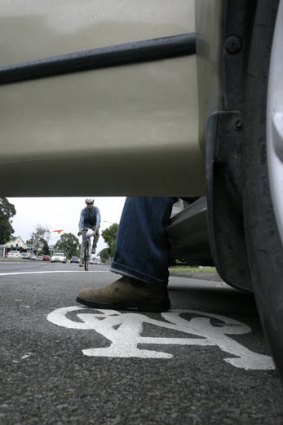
(86, 235)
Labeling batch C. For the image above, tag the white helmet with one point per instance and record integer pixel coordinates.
(89, 200)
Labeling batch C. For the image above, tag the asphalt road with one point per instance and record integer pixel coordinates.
(205, 362)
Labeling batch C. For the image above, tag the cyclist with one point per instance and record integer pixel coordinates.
(89, 219)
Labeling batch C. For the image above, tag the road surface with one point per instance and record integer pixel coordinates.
(205, 362)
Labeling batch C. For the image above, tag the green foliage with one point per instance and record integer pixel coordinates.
(110, 236)
(40, 236)
(45, 248)
(69, 244)
(7, 211)
(193, 269)
(104, 254)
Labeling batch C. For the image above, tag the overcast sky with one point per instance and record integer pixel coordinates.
(61, 213)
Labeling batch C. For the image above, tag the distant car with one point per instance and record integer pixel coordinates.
(94, 260)
(39, 258)
(25, 255)
(46, 258)
(14, 254)
(58, 257)
(74, 259)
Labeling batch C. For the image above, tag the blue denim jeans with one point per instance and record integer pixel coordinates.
(142, 249)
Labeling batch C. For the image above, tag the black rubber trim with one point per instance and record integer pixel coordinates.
(104, 57)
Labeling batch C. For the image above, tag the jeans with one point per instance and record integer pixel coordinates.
(143, 250)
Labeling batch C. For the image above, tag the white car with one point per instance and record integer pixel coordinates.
(180, 98)
(58, 257)
(94, 260)
(14, 254)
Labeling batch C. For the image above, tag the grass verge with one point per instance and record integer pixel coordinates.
(189, 269)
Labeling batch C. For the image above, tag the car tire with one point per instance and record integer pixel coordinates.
(264, 244)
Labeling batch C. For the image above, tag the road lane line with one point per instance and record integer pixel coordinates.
(53, 271)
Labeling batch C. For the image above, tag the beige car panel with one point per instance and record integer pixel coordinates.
(33, 29)
(208, 32)
(130, 130)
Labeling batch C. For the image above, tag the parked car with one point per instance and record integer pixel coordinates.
(58, 257)
(195, 97)
(94, 260)
(25, 255)
(74, 259)
(14, 254)
(46, 258)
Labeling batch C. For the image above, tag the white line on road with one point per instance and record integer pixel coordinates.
(53, 271)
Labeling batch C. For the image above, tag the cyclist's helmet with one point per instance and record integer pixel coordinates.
(89, 201)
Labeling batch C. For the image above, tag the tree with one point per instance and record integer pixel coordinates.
(40, 236)
(69, 244)
(7, 211)
(110, 236)
(45, 249)
(104, 254)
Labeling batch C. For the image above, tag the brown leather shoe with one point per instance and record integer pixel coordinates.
(127, 294)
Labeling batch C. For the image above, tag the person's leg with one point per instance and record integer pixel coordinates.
(90, 234)
(81, 252)
(142, 249)
(90, 247)
(142, 258)
(95, 240)
(85, 233)
(81, 263)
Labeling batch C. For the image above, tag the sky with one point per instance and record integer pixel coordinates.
(61, 213)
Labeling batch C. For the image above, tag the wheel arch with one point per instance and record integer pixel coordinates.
(225, 53)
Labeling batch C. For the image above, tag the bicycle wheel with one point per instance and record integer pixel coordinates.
(86, 256)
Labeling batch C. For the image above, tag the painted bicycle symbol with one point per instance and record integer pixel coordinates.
(124, 331)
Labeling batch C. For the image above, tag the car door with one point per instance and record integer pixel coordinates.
(99, 91)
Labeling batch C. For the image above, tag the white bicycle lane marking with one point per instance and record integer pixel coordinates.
(124, 332)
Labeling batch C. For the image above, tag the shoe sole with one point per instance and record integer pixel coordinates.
(138, 306)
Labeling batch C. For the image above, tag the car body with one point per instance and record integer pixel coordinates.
(168, 102)
(46, 258)
(178, 98)
(94, 260)
(25, 255)
(58, 257)
(14, 254)
(74, 259)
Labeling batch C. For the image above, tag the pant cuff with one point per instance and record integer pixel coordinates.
(136, 274)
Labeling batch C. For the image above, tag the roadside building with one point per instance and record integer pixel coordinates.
(16, 244)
